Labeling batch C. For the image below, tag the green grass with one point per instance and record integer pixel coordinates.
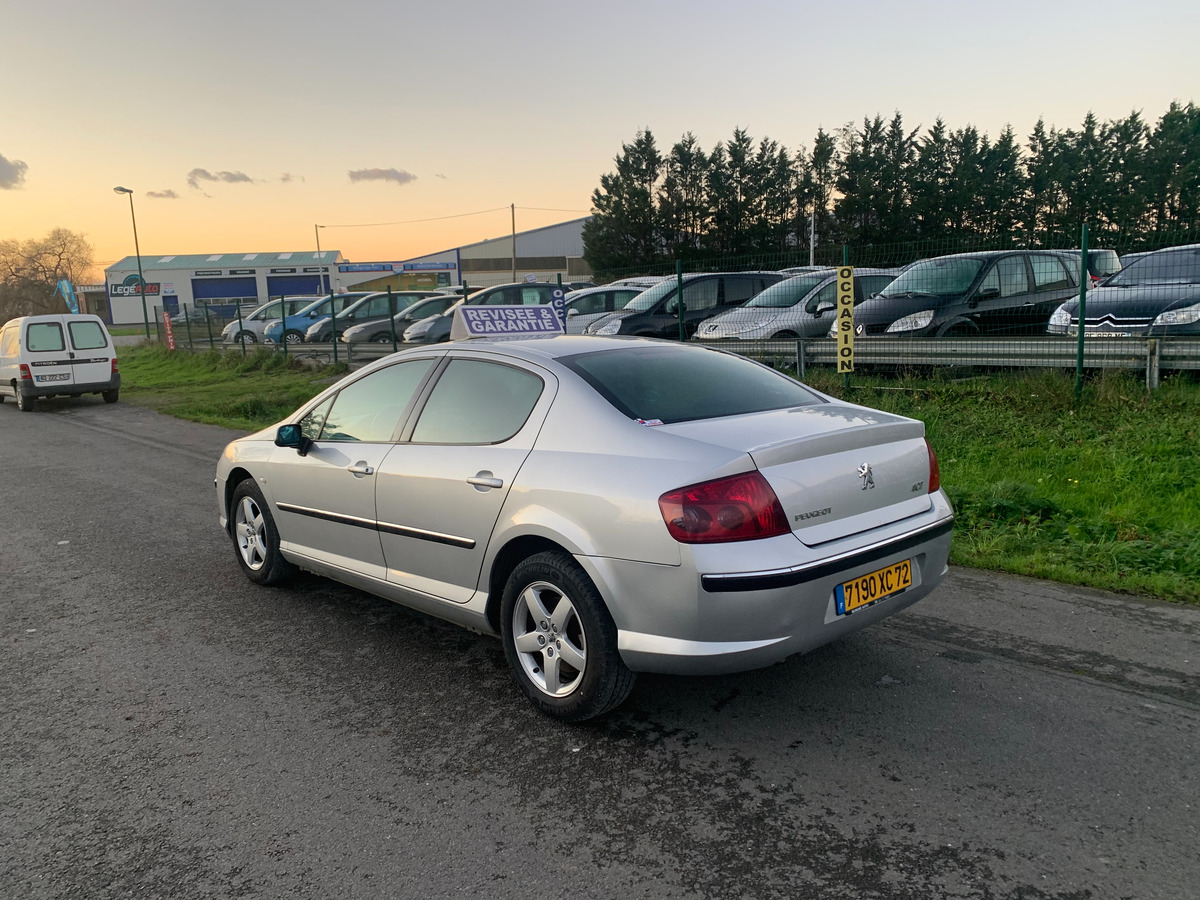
(1104, 492)
(243, 392)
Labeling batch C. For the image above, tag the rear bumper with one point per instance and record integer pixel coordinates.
(59, 389)
(711, 615)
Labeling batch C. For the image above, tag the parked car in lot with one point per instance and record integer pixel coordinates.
(61, 355)
(436, 329)
(588, 304)
(1158, 293)
(381, 331)
(604, 506)
(250, 329)
(1101, 264)
(994, 292)
(655, 312)
(799, 307)
(373, 308)
(292, 328)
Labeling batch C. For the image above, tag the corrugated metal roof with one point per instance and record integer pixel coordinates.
(559, 239)
(239, 260)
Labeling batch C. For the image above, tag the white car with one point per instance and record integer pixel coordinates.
(590, 304)
(250, 329)
(62, 355)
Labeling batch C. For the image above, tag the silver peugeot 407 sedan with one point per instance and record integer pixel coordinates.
(606, 506)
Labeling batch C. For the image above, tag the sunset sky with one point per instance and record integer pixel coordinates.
(241, 125)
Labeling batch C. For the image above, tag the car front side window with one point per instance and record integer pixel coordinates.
(369, 410)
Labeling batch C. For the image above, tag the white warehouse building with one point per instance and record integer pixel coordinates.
(185, 282)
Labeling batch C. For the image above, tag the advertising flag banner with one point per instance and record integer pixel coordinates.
(68, 293)
(168, 330)
(845, 319)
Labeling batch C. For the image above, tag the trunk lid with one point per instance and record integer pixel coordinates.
(45, 344)
(837, 469)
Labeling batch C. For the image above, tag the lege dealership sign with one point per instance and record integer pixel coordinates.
(129, 288)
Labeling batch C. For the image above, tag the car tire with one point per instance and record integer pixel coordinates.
(785, 336)
(382, 337)
(25, 403)
(245, 337)
(255, 537)
(111, 396)
(550, 605)
(293, 337)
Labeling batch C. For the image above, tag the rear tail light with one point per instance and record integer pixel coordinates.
(115, 370)
(935, 473)
(739, 508)
(25, 376)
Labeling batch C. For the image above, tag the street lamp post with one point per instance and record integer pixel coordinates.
(138, 251)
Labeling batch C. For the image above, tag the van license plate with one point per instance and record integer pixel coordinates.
(61, 377)
(866, 589)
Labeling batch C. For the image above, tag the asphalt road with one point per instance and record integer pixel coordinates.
(169, 730)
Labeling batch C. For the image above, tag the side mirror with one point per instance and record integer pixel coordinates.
(823, 308)
(990, 293)
(572, 312)
(291, 436)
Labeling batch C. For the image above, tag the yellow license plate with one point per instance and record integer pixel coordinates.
(866, 589)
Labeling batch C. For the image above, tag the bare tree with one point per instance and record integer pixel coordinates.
(30, 271)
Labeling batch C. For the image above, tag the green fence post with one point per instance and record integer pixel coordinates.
(333, 327)
(239, 317)
(1083, 280)
(392, 315)
(208, 319)
(187, 323)
(679, 294)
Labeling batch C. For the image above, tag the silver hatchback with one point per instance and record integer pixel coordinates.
(605, 506)
(800, 307)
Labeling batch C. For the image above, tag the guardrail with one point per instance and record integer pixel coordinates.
(1149, 354)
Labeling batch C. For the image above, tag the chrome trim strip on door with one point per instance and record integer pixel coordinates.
(402, 530)
(422, 535)
(341, 518)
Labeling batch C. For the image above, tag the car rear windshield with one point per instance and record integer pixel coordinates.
(935, 277)
(681, 384)
(42, 337)
(647, 298)
(88, 335)
(1102, 263)
(788, 292)
(1163, 267)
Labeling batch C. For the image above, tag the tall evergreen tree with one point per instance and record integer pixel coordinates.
(623, 230)
(682, 200)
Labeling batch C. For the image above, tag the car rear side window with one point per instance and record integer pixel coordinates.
(477, 402)
(44, 337)
(87, 335)
(1049, 274)
(369, 410)
(681, 384)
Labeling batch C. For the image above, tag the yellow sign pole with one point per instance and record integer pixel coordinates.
(845, 319)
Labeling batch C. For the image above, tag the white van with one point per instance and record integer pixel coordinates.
(58, 355)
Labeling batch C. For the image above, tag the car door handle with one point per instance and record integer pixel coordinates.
(360, 468)
(485, 480)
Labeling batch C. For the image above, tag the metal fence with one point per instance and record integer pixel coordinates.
(1002, 302)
